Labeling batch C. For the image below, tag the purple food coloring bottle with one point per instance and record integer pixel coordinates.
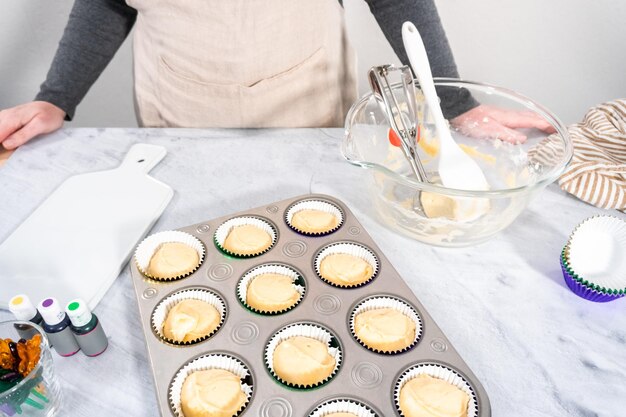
(56, 324)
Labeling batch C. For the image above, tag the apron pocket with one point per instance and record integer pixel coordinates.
(300, 96)
(297, 97)
(185, 102)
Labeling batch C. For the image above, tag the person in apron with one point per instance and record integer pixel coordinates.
(288, 64)
(228, 63)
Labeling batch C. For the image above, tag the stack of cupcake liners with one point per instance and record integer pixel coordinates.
(593, 261)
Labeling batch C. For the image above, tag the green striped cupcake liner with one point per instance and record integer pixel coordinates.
(585, 282)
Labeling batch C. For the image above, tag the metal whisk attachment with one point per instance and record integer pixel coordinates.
(400, 109)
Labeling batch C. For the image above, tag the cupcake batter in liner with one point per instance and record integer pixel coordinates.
(349, 248)
(210, 361)
(222, 232)
(150, 245)
(161, 311)
(440, 371)
(380, 302)
(342, 405)
(297, 278)
(318, 205)
(370, 381)
(313, 331)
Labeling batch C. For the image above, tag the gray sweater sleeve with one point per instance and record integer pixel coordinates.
(94, 33)
(391, 14)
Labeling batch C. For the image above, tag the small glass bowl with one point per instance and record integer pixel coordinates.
(39, 393)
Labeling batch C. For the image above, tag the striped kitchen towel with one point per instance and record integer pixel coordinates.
(597, 173)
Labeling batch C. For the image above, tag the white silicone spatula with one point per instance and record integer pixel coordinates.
(456, 169)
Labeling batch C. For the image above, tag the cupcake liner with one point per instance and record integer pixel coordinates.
(341, 405)
(146, 249)
(440, 371)
(377, 302)
(581, 281)
(160, 312)
(355, 249)
(320, 205)
(203, 363)
(595, 254)
(313, 331)
(224, 229)
(582, 290)
(246, 279)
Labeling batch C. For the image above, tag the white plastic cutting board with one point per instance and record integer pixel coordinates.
(76, 243)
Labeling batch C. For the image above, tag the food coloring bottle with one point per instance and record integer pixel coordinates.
(56, 324)
(24, 310)
(86, 328)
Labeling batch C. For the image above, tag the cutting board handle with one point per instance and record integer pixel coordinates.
(143, 157)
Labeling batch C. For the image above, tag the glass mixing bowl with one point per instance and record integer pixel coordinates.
(448, 217)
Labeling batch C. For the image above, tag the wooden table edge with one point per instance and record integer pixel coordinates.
(4, 155)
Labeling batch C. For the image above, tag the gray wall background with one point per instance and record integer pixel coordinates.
(567, 54)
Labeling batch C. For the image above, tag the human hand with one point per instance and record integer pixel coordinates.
(496, 123)
(20, 124)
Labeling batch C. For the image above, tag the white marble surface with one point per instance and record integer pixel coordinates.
(537, 348)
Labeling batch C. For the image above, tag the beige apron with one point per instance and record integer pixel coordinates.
(242, 63)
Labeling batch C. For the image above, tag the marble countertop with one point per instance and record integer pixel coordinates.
(538, 349)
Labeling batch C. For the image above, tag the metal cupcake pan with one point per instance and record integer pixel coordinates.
(364, 376)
